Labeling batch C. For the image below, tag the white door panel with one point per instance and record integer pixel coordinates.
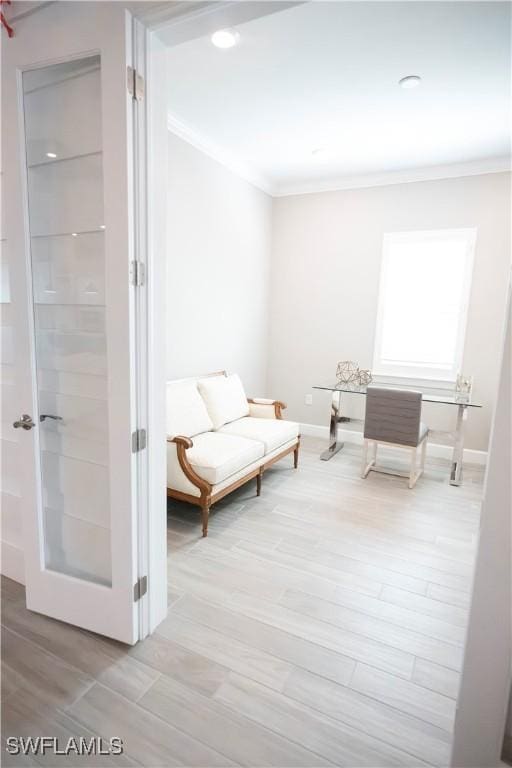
(12, 531)
(11, 458)
(68, 227)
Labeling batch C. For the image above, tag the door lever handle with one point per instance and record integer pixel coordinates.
(44, 416)
(25, 422)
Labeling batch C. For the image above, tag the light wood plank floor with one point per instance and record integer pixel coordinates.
(321, 624)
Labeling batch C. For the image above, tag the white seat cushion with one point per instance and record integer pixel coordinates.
(271, 432)
(215, 456)
(186, 411)
(224, 398)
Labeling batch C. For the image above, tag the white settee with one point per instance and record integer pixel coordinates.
(218, 439)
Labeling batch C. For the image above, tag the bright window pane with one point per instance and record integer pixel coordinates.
(424, 291)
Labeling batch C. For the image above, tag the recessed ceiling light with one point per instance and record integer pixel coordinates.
(102, 226)
(225, 38)
(411, 81)
(51, 154)
(74, 234)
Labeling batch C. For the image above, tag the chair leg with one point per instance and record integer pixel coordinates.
(296, 456)
(363, 458)
(423, 451)
(367, 465)
(423, 454)
(412, 474)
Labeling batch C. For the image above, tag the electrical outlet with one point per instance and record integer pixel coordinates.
(308, 399)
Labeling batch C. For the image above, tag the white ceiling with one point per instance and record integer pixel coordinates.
(325, 74)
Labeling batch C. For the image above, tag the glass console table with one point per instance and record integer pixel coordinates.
(430, 395)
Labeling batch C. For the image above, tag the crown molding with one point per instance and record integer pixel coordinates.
(356, 181)
(213, 151)
(428, 173)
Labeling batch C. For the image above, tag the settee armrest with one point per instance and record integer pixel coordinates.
(182, 445)
(186, 442)
(265, 408)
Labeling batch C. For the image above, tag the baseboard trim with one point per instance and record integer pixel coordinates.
(435, 450)
(13, 562)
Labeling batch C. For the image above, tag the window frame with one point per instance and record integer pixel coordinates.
(417, 373)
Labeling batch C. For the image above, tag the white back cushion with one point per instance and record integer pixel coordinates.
(224, 398)
(186, 411)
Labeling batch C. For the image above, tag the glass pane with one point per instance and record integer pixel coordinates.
(423, 284)
(62, 105)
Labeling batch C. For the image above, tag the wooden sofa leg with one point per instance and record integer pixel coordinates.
(296, 456)
(259, 477)
(205, 510)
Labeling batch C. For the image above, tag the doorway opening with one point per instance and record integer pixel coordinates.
(334, 593)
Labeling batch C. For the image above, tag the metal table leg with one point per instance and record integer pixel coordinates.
(334, 445)
(458, 446)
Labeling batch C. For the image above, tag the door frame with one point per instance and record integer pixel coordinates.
(485, 690)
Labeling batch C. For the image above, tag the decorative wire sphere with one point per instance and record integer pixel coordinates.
(365, 376)
(347, 372)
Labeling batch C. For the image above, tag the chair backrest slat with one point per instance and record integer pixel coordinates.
(393, 415)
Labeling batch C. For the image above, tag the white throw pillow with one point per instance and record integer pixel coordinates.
(224, 398)
(186, 411)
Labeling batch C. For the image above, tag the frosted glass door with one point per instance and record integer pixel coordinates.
(68, 165)
(63, 133)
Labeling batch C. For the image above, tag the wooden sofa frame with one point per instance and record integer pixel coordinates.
(207, 498)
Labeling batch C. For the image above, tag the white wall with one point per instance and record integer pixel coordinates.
(485, 682)
(325, 276)
(219, 243)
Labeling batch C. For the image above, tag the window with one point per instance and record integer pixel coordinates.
(424, 293)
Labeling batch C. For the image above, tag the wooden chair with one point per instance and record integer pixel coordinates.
(393, 417)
